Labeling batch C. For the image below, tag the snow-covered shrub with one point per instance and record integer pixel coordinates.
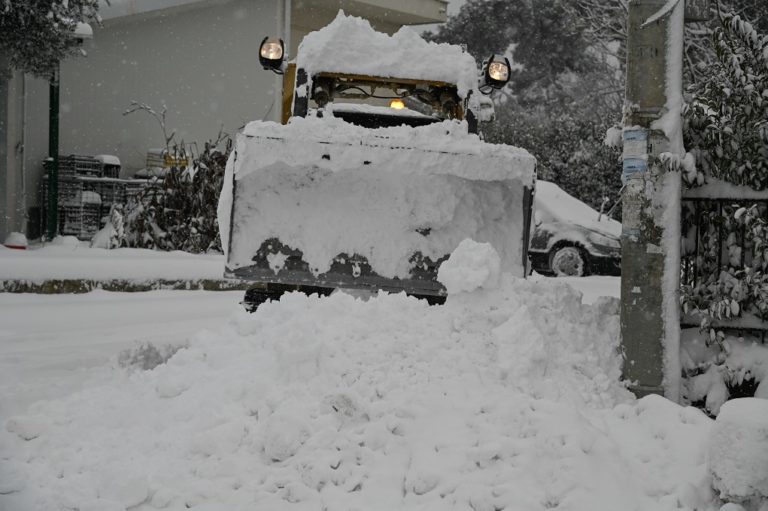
(178, 212)
(726, 123)
(112, 235)
(726, 129)
(569, 149)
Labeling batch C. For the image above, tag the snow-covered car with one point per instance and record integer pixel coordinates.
(571, 238)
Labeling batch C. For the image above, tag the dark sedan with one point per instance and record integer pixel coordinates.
(570, 238)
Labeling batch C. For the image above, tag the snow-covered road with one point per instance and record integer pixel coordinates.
(50, 343)
(506, 398)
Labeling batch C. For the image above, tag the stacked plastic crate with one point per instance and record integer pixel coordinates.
(79, 199)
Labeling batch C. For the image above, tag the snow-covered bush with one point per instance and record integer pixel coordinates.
(178, 212)
(726, 129)
(727, 120)
(569, 149)
(112, 235)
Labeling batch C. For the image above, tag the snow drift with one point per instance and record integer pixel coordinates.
(501, 399)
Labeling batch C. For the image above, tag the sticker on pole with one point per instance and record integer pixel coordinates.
(635, 153)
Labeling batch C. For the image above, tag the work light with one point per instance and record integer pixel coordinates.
(271, 53)
(397, 104)
(497, 71)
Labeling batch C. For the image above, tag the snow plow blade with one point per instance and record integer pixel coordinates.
(321, 204)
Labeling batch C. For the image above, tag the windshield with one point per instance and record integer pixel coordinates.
(370, 116)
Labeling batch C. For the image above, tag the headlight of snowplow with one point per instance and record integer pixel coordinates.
(497, 71)
(271, 53)
(605, 241)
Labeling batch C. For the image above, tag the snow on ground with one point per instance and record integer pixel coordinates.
(500, 399)
(51, 344)
(67, 258)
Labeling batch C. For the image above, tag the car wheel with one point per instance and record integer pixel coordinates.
(568, 262)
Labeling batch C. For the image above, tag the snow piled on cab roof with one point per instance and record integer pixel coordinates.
(350, 45)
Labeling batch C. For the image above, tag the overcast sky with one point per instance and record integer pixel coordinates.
(455, 5)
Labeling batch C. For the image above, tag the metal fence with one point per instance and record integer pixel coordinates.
(713, 241)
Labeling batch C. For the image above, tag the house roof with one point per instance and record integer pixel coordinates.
(122, 8)
(403, 12)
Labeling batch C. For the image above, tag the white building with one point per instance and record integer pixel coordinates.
(199, 58)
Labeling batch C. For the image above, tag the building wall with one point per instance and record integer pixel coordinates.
(200, 63)
(11, 153)
(4, 167)
(198, 58)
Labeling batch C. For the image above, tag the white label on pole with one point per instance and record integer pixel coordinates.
(653, 249)
(635, 153)
(635, 144)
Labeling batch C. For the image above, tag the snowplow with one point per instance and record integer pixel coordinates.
(377, 171)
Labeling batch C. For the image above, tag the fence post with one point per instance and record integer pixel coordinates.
(650, 324)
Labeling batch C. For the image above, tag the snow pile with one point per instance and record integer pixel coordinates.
(350, 45)
(503, 398)
(68, 258)
(332, 144)
(471, 266)
(16, 240)
(738, 455)
(326, 187)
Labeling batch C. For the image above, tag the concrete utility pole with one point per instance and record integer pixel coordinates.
(650, 325)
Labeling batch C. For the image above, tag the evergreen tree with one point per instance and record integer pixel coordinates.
(36, 34)
(565, 92)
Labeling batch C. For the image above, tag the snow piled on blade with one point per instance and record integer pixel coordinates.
(502, 399)
(442, 148)
(471, 266)
(348, 44)
(326, 187)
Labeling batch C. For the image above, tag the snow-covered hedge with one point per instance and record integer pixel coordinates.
(726, 129)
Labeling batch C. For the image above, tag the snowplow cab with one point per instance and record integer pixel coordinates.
(406, 101)
(376, 173)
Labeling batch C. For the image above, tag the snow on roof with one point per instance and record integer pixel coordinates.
(350, 45)
(108, 159)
